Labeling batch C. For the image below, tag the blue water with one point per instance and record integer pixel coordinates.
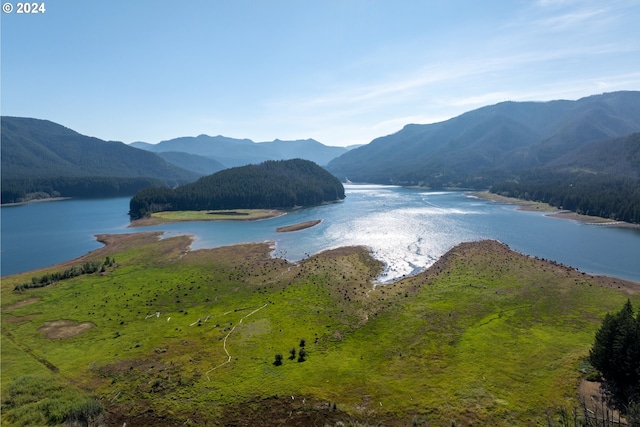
(408, 229)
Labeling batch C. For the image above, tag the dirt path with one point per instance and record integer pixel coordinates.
(595, 405)
(224, 344)
(50, 366)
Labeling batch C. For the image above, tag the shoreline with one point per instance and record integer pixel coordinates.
(167, 217)
(114, 243)
(550, 211)
(47, 199)
(299, 226)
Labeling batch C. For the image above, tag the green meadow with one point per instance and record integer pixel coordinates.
(168, 336)
(207, 215)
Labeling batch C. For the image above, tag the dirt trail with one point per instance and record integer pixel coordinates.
(224, 344)
(53, 368)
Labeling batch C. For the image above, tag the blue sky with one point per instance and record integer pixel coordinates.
(342, 72)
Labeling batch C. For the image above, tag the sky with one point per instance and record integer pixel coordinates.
(342, 72)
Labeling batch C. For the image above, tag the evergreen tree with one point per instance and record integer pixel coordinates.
(278, 360)
(616, 355)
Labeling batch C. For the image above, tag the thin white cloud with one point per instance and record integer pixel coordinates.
(483, 99)
(576, 19)
(400, 89)
(398, 122)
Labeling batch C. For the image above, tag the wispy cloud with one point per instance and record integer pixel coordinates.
(576, 19)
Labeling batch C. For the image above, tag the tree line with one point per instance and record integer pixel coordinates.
(88, 267)
(24, 190)
(269, 185)
(616, 356)
(605, 196)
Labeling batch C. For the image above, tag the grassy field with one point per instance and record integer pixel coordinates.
(170, 337)
(207, 215)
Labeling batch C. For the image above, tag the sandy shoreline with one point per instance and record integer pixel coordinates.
(551, 211)
(49, 199)
(299, 226)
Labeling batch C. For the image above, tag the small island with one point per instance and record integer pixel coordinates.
(299, 226)
(283, 184)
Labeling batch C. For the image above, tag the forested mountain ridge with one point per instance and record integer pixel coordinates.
(33, 148)
(617, 157)
(489, 144)
(192, 162)
(39, 156)
(272, 184)
(233, 152)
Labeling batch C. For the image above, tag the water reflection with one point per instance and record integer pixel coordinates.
(407, 229)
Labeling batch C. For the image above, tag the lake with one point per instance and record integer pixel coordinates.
(407, 229)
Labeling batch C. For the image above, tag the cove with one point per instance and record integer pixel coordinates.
(407, 229)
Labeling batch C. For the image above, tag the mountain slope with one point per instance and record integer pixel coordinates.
(38, 153)
(491, 142)
(617, 157)
(239, 152)
(192, 162)
(33, 148)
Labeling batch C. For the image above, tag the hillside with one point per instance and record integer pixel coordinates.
(272, 184)
(482, 146)
(42, 156)
(168, 336)
(192, 162)
(239, 152)
(616, 157)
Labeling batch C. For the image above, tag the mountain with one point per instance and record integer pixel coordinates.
(239, 152)
(42, 156)
(272, 184)
(490, 143)
(192, 162)
(618, 157)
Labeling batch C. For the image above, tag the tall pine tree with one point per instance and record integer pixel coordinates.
(616, 355)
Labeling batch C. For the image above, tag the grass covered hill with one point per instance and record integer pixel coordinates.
(42, 156)
(161, 335)
(272, 184)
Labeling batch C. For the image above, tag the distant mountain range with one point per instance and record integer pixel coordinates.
(508, 143)
(33, 148)
(498, 141)
(43, 159)
(233, 152)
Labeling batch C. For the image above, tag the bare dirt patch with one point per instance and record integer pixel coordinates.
(14, 319)
(21, 303)
(595, 402)
(60, 329)
(297, 227)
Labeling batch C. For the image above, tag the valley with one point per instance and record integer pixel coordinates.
(269, 294)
